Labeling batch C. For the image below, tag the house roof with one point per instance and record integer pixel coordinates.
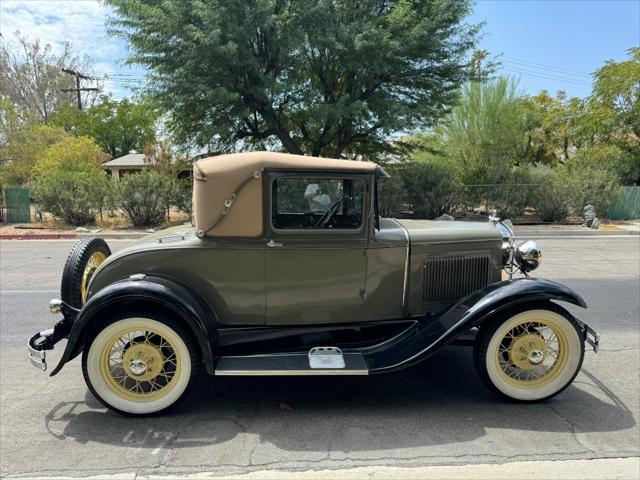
(132, 160)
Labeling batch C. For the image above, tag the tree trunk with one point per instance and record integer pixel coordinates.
(287, 141)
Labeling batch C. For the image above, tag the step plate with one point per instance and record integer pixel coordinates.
(286, 365)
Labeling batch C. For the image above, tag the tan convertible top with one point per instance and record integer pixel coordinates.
(227, 190)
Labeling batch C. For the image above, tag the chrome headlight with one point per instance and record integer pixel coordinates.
(528, 255)
(507, 240)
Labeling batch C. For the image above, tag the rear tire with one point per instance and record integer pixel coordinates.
(529, 354)
(83, 260)
(141, 363)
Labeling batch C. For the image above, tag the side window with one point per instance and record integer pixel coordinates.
(317, 203)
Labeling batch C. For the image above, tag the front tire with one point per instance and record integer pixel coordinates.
(141, 363)
(529, 355)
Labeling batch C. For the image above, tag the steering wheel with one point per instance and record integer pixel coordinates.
(328, 215)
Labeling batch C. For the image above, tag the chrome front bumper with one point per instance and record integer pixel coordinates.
(44, 340)
(36, 348)
(591, 337)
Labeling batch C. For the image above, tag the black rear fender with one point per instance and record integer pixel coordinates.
(149, 292)
(434, 333)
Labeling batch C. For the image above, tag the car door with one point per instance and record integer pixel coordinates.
(316, 244)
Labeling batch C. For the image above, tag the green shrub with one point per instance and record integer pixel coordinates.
(509, 196)
(143, 197)
(622, 163)
(181, 194)
(552, 196)
(431, 188)
(512, 194)
(391, 195)
(75, 197)
(597, 187)
(428, 188)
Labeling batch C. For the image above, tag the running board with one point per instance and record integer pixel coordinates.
(294, 364)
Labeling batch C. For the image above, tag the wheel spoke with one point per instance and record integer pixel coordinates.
(141, 363)
(530, 351)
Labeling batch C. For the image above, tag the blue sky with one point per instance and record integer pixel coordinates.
(548, 44)
(557, 44)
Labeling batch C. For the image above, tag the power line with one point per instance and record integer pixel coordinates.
(546, 67)
(547, 77)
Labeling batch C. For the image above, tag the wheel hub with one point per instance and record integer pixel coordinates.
(138, 367)
(528, 351)
(536, 357)
(143, 361)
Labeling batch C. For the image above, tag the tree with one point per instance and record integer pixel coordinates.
(616, 90)
(68, 181)
(118, 126)
(23, 148)
(162, 159)
(70, 154)
(482, 66)
(484, 134)
(555, 125)
(310, 76)
(614, 110)
(31, 78)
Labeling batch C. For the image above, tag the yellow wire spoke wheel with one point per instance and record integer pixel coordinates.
(532, 355)
(139, 365)
(92, 265)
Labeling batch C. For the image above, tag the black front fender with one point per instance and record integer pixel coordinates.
(430, 335)
(150, 290)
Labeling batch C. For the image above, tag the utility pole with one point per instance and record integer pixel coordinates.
(78, 90)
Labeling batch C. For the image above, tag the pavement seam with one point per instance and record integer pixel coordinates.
(574, 429)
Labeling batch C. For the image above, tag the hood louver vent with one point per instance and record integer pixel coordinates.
(450, 278)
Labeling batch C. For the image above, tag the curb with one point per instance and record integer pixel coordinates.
(71, 236)
(573, 233)
(37, 236)
(591, 469)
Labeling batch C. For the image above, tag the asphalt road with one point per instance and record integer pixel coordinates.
(435, 414)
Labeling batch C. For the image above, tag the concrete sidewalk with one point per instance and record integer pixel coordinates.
(607, 468)
(576, 230)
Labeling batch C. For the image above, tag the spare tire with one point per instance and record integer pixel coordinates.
(83, 260)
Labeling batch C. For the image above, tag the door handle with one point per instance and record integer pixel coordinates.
(272, 244)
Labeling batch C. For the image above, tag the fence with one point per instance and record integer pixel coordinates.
(18, 204)
(627, 207)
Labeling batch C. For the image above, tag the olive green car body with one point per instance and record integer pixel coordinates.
(311, 278)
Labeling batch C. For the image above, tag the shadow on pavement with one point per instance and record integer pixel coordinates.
(436, 403)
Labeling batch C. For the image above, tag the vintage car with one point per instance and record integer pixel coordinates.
(288, 269)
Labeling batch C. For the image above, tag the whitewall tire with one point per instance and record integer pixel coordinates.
(141, 363)
(530, 354)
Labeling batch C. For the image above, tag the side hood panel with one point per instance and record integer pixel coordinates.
(430, 231)
(459, 241)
